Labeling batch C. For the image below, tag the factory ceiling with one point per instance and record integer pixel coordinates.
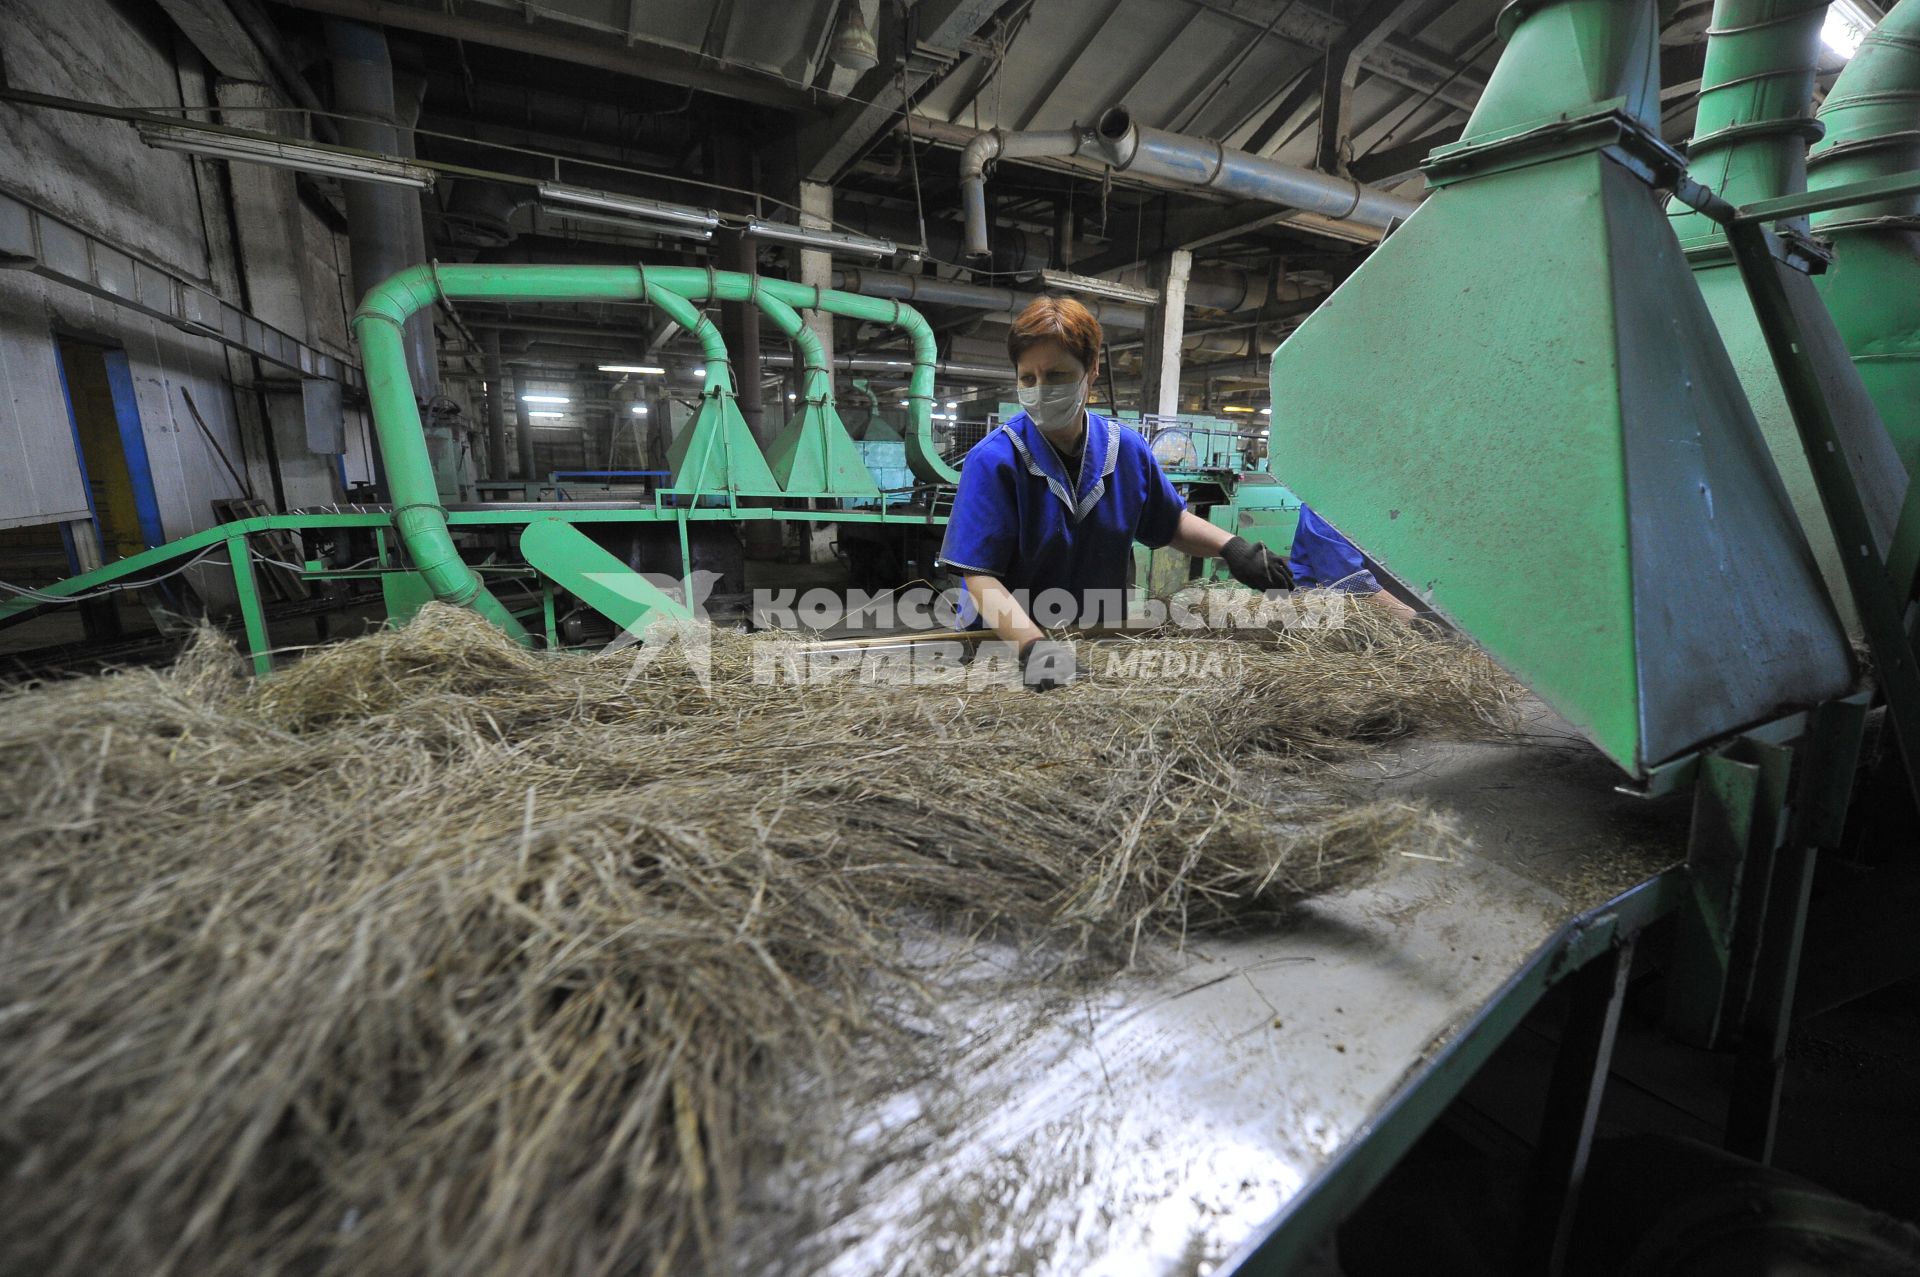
(673, 99)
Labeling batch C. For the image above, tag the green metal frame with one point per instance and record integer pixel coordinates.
(404, 585)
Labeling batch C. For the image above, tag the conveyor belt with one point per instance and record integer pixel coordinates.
(1258, 1085)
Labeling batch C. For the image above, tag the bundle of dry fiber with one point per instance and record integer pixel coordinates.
(435, 955)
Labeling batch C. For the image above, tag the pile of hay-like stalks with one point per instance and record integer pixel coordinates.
(430, 954)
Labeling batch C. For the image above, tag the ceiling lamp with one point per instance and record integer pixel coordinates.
(1093, 286)
(853, 45)
(631, 206)
(307, 157)
(824, 241)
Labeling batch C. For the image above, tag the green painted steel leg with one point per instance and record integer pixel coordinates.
(1738, 796)
(1881, 602)
(686, 558)
(247, 589)
(546, 614)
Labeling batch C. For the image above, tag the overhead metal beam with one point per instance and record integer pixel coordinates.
(828, 146)
(1342, 72)
(1394, 161)
(620, 52)
(1064, 68)
(213, 29)
(1403, 61)
(1306, 86)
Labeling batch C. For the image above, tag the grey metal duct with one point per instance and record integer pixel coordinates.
(480, 213)
(921, 289)
(1196, 162)
(383, 222)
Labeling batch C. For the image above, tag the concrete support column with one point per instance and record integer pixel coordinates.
(1166, 330)
(816, 269)
(383, 221)
(496, 408)
(523, 430)
(740, 321)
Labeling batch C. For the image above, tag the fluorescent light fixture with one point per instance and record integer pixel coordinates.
(952, 404)
(699, 372)
(307, 157)
(630, 205)
(1266, 412)
(634, 224)
(791, 395)
(546, 399)
(1846, 27)
(1238, 408)
(825, 241)
(903, 403)
(546, 414)
(1093, 287)
(644, 370)
(639, 410)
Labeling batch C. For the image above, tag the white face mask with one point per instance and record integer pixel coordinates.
(1055, 409)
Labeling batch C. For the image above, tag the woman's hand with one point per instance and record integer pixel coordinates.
(1255, 566)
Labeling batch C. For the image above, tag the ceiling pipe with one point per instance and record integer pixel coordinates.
(999, 144)
(1211, 166)
(1121, 143)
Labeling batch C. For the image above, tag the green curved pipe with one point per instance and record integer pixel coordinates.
(418, 516)
(1873, 287)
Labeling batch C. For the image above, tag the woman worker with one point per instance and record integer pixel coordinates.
(1050, 505)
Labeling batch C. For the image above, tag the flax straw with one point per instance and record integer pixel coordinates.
(434, 955)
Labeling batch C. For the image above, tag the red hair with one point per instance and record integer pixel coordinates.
(1060, 319)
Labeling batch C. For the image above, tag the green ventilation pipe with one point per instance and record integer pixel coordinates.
(1755, 118)
(421, 521)
(1873, 287)
(1565, 56)
(1750, 144)
(817, 425)
(418, 517)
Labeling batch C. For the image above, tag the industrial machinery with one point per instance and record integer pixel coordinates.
(1656, 467)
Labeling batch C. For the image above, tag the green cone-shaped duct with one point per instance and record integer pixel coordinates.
(813, 455)
(1750, 144)
(1521, 408)
(717, 452)
(1873, 130)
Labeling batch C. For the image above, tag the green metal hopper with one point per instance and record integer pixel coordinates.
(1521, 407)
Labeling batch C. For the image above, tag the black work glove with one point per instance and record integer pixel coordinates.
(1255, 566)
(1046, 664)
